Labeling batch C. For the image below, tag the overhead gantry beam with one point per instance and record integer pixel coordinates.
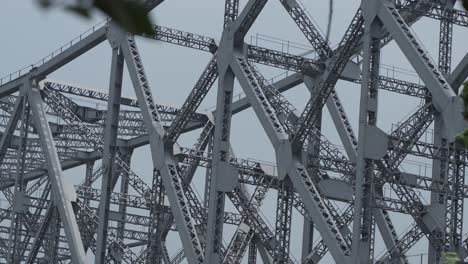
(56, 61)
(238, 106)
(63, 55)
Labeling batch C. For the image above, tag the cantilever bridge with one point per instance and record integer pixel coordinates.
(346, 197)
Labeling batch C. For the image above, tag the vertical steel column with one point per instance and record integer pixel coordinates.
(446, 40)
(313, 149)
(19, 192)
(252, 258)
(364, 223)
(109, 151)
(456, 174)
(126, 155)
(266, 258)
(62, 195)
(440, 166)
(220, 166)
(52, 243)
(165, 253)
(206, 195)
(203, 140)
(283, 221)
(162, 154)
(224, 176)
(10, 128)
(154, 254)
(439, 174)
(88, 182)
(307, 237)
(41, 235)
(231, 10)
(456, 180)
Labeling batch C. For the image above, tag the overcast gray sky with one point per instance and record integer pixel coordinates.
(30, 33)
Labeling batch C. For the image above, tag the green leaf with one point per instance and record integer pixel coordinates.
(83, 12)
(130, 15)
(449, 258)
(465, 4)
(462, 138)
(464, 97)
(44, 3)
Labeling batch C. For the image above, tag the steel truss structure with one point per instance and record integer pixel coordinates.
(46, 220)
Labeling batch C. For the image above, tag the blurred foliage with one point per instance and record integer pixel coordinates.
(465, 4)
(449, 258)
(131, 15)
(463, 137)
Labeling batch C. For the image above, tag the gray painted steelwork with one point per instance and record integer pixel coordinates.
(310, 173)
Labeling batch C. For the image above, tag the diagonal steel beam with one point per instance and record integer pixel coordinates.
(302, 181)
(40, 235)
(440, 167)
(89, 221)
(193, 101)
(328, 79)
(460, 73)
(246, 18)
(308, 28)
(333, 103)
(63, 55)
(19, 190)
(162, 158)
(55, 61)
(443, 96)
(5, 142)
(63, 197)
